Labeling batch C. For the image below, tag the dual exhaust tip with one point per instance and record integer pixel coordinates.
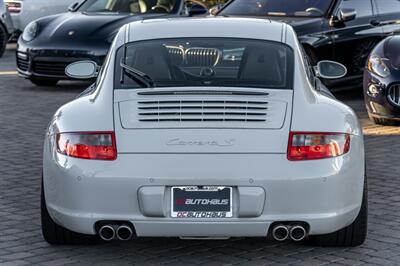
(294, 232)
(121, 232)
(280, 232)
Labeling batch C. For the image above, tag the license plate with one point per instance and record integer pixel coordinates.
(201, 202)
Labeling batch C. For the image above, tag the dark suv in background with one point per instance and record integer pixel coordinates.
(340, 30)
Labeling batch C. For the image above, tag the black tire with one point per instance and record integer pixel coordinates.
(55, 234)
(383, 121)
(3, 39)
(44, 82)
(352, 235)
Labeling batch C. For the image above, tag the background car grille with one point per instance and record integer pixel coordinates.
(202, 110)
(194, 56)
(394, 94)
(50, 68)
(23, 62)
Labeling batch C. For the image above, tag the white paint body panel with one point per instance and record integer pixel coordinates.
(326, 193)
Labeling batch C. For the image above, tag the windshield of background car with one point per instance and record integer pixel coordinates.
(288, 8)
(209, 62)
(129, 6)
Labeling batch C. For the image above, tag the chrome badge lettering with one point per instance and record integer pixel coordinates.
(180, 142)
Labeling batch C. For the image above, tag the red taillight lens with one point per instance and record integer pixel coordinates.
(88, 145)
(14, 7)
(313, 146)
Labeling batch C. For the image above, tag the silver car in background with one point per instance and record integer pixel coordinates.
(6, 27)
(25, 11)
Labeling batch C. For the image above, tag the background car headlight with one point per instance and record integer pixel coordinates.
(377, 65)
(30, 32)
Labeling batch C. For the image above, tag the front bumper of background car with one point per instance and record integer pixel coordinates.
(50, 63)
(379, 104)
(325, 194)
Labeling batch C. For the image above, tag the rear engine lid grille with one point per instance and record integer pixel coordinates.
(189, 110)
(202, 111)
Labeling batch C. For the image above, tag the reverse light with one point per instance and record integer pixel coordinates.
(317, 145)
(377, 65)
(87, 145)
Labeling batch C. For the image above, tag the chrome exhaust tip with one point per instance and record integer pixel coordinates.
(297, 233)
(124, 233)
(280, 233)
(107, 232)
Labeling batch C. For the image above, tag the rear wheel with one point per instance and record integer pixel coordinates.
(44, 82)
(352, 235)
(3, 39)
(383, 121)
(57, 235)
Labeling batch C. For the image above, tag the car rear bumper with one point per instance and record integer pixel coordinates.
(325, 194)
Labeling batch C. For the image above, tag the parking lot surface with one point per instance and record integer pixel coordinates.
(25, 111)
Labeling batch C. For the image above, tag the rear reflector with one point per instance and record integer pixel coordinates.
(317, 145)
(14, 7)
(88, 145)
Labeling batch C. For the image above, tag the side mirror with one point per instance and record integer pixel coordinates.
(197, 9)
(82, 70)
(330, 70)
(347, 14)
(73, 7)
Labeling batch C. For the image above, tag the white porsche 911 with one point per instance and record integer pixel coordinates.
(205, 128)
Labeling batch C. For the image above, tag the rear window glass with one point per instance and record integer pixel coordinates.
(208, 62)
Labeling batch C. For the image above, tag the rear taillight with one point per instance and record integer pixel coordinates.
(14, 7)
(317, 145)
(88, 145)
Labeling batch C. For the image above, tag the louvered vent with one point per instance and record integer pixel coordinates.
(202, 111)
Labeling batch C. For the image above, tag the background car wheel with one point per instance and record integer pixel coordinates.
(3, 39)
(44, 82)
(383, 121)
(352, 235)
(57, 235)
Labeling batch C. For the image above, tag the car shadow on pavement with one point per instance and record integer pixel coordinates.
(65, 86)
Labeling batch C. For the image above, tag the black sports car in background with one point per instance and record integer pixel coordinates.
(51, 43)
(340, 30)
(382, 82)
